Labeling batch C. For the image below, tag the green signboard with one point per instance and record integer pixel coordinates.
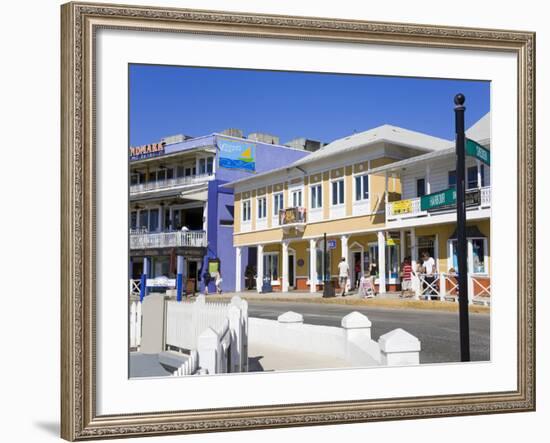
(447, 199)
(438, 199)
(474, 149)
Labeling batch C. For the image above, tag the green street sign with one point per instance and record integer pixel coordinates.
(474, 149)
(446, 199)
(438, 199)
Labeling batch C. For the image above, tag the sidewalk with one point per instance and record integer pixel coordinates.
(389, 300)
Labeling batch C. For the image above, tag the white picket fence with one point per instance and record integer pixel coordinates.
(185, 321)
(135, 323)
(214, 336)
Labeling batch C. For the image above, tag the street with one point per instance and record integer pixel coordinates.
(437, 331)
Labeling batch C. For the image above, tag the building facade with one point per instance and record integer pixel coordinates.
(363, 192)
(180, 219)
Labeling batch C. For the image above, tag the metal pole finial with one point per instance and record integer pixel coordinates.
(459, 99)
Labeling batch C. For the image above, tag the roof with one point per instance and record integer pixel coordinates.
(381, 134)
(384, 133)
(479, 132)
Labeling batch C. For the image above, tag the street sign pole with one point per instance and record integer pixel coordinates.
(461, 229)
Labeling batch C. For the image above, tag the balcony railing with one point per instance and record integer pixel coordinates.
(169, 183)
(175, 239)
(292, 216)
(411, 208)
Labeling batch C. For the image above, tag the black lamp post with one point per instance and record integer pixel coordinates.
(461, 228)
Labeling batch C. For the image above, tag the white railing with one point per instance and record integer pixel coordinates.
(410, 208)
(445, 287)
(173, 239)
(135, 286)
(135, 323)
(169, 183)
(486, 196)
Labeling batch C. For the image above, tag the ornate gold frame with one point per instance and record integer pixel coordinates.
(79, 23)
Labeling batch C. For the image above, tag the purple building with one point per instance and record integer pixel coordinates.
(181, 220)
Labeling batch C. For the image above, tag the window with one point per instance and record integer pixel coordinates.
(133, 220)
(277, 203)
(153, 220)
(143, 218)
(180, 171)
(206, 165)
(271, 266)
(319, 264)
(316, 196)
(246, 210)
(361, 187)
(476, 254)
(134, 179)
(297, 198)
(420, 187)
(452, 179)
(262, 207)
(472, 178)
(338, 192)
(482, 173)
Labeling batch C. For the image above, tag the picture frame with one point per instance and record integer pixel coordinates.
(79, 396)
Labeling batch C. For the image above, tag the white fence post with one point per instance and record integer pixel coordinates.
(208, 350)
(470, 289)
(357, 328)
(442, 287)
(235, 327)
(398, 347)
(153, 326)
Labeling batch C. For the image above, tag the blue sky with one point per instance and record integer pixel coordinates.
(167, 100)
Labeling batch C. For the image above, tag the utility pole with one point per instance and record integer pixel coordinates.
(461, 229)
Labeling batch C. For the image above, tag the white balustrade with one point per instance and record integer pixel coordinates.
(135, 324)
(169, 183)
(172, 239)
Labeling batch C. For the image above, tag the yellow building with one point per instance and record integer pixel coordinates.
(363, 192)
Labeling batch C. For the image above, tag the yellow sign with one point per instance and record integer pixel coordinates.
(390, 242)
(402, 207)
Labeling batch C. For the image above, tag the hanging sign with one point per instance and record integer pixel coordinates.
(402, 207)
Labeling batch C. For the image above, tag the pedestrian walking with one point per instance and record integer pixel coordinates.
(218, 281)
(206, 278)
(406, 276)
(428, 265)
(343, 273)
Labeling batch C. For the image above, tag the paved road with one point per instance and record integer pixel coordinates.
(437, 331)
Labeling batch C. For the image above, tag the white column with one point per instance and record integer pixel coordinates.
(238, 270)
(402, 240)
(428, 185)
(386, 189)
(345, 251)
(381, 262)
(414, 249)
(284, 282)
(260, 268)
(478, 165)
(312, 265)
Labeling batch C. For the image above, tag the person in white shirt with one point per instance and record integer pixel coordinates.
(343, 273)
(428, 265)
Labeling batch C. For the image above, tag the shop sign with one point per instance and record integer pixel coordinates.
(402, 207)
(146, 151)
(235, 154)
(161, 282)
(331, 244)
